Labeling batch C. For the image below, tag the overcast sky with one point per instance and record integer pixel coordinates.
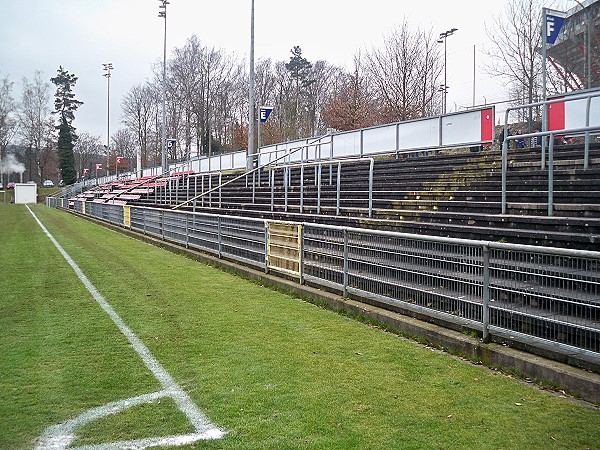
(80, 35)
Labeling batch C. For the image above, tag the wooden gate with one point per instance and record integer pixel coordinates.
(284, 240)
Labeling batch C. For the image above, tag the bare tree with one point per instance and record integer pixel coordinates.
(140, 115)
(8, 121)
(88, 151)
(352, 105)
(125, 143)
(405, 73)
(515, 38)
(36, 127)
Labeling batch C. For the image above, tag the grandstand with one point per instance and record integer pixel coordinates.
(463, 233)
(451, 193)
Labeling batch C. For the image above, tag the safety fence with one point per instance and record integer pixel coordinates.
(539, 296)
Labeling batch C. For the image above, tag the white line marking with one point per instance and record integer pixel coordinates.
(60, 436)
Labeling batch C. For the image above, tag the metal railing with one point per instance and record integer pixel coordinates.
(585, 130)
(246, 174)
(540, 296)
(318, 181)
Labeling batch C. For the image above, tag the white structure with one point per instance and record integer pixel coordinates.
(25, 193)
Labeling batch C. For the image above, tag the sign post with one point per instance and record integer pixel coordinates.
(552, 22)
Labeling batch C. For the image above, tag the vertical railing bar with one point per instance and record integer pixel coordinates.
(272, 174)
(371, 165)
(586, 149)
(219, 236)
(486, 293)
(266, 227)
(504, 172)
(301, 254)
(339, 175)
(551, 175)
(302, 188)
(286, 176)
(319, 191)
(345, 268)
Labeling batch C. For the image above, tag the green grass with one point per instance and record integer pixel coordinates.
(273, 371)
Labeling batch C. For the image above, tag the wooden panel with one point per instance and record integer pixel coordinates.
(284, 239)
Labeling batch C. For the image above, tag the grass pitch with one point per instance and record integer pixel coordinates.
(271, 370)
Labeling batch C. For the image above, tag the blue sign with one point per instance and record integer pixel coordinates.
(171, 143)
(264, 113)
(553, 26)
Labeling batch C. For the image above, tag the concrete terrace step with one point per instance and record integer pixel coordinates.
(526, 235)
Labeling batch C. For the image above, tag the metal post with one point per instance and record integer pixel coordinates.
(319, 190)
(108, 67)
(302, 187)
(250, 156)
(219, 238)
(486, 293)
(551, 175)
(345, 276)
(162, 224)
(504, 172)
(266, 225)
(220, 188)
(371, 165)
(586, 149)
(286, 175)
(272, 189)
(165, 167)
(339, 175)
(187, 231)
(301, 255)
(544, 34)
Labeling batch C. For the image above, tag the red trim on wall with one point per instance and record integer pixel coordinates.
(487, 125)
(556, 116)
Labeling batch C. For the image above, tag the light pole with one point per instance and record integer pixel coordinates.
(444, 88)
(163, 14)
(250, 155)
(108, 67)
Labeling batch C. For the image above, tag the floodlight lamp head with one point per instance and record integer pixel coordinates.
(453, 30)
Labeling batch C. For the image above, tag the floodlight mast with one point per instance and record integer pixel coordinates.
(164, 164)
(444, 87)
(250, 153)
(108, 67)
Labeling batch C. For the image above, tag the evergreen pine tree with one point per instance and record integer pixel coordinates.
(66, 158)
(65, 106)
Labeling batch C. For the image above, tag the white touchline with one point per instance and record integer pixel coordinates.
(60, 436)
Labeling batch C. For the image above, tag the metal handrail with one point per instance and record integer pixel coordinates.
(586, 96)
(248, 172)
(581, 130)
(320, 164)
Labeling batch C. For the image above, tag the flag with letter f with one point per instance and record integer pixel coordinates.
(554, 22)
